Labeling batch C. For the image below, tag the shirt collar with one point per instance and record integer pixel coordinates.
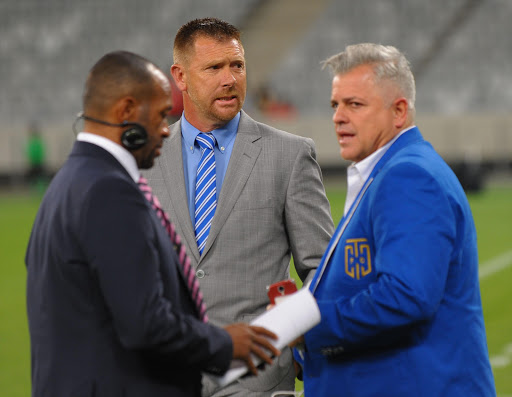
(223, 135)
(365, 166)
(120, 153)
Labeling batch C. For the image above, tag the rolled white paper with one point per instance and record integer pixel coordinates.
(291, 318)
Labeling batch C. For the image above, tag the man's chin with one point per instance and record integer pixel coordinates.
(227, 113)
(146, 164)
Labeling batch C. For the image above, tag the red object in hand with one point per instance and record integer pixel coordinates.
(280, 289)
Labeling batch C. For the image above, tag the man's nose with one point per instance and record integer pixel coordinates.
(339, 116)
(165, 130)
(228, 78)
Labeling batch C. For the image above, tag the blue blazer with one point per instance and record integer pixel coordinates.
(399, 295)
(108, 308)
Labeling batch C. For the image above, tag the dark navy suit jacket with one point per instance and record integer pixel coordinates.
(399, 296)
(109, 312)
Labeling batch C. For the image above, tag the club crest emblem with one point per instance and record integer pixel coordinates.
(358, 261)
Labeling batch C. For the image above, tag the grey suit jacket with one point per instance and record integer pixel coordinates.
(272, 205)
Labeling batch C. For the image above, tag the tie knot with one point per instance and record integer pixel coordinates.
(206, 140)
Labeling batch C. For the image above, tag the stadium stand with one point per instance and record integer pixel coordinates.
(460, 50)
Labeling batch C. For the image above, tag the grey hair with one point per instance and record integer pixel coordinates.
(387, 61)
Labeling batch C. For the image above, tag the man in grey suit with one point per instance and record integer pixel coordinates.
(268, 198)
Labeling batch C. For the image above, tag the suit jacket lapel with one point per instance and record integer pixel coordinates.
(81, 148)
(172, 170)
(243, 157)
(405, 140)
(409, 137)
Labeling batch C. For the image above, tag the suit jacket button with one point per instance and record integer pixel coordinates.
(326, 351)
(200, 273)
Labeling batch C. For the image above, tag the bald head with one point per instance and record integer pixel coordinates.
(117, 75)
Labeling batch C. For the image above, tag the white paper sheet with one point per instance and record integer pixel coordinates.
(291, 318)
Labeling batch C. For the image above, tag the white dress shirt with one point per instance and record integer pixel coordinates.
(120, 153)
(358, 173)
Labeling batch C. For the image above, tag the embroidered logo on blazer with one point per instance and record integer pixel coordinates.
(358, 261)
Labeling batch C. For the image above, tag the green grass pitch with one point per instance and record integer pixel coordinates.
(492, 211)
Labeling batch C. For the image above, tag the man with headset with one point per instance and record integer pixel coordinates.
(110, 310)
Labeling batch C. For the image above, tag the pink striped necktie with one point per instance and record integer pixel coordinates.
(184, 260)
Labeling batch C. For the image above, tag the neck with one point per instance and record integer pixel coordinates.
(203, 125)
(111, 133)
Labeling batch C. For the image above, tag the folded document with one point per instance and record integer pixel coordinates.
(291, 318)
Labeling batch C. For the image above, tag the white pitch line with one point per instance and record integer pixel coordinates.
(495, 265)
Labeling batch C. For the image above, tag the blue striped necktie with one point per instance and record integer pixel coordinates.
(206, 189)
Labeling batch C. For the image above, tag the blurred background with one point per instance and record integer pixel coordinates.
(460, 52)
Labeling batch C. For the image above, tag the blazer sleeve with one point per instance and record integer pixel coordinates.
(119, 238)
(414, 229)
(307, 212)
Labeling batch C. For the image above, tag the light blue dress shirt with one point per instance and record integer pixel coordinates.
(225, 137)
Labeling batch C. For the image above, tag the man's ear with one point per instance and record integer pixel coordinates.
(179, 77)
(125, 109)
(400, 112)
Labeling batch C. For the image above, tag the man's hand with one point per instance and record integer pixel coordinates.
(248, 339)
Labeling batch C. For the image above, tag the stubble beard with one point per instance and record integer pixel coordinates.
(213, 111)
(147, 162)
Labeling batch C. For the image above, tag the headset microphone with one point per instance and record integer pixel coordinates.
(133, 138)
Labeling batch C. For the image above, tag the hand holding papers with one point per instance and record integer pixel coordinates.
(251, 341)
(290, 319)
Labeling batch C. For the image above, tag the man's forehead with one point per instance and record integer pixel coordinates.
(354, 79)
(211, 44)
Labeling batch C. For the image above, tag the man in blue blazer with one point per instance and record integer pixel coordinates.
(398, 285)
(110, 312)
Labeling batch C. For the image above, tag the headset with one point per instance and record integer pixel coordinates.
(132, 138)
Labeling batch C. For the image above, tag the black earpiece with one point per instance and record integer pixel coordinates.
(133, 138)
